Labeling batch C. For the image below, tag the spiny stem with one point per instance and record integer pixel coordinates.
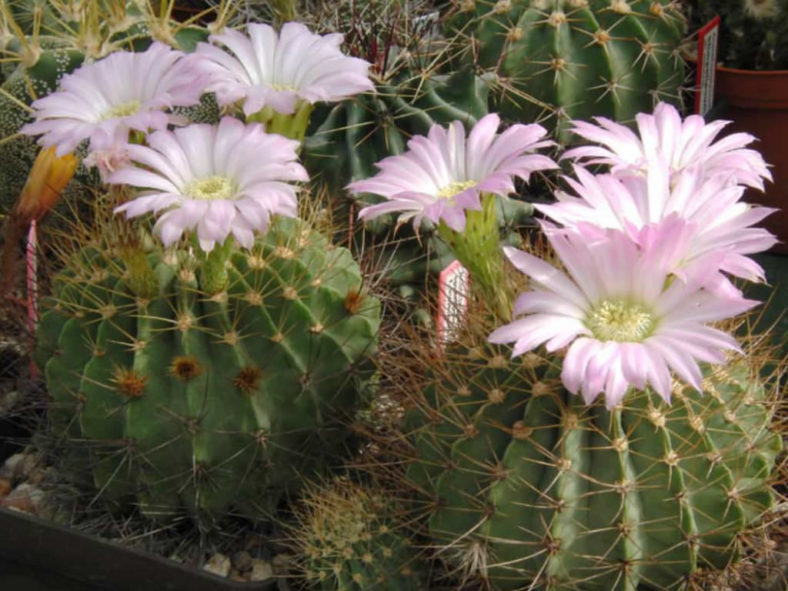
(479, 250)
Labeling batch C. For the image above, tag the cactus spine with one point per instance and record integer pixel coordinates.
(349, 538)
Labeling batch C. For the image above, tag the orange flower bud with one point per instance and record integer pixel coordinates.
(49, 175)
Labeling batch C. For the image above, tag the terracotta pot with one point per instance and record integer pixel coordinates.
(757, 103)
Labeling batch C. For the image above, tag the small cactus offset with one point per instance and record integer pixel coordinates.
(208, 389)
(528, 487)
(574, 59)
(349, 538)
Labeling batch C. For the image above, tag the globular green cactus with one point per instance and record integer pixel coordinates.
(529, 488)
(348, 537)
(577, 58)
(208, 387)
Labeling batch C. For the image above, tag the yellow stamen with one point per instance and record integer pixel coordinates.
(620, 321)
(451, 190)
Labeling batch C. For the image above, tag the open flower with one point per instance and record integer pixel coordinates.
(221, 180)
(626, 324)
(103, 100)
(720, 222)
(442, 175)
(270, 70)
(664, 137)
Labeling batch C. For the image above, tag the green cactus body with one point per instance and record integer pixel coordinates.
(348, 539)
(530, 488)
(208, 401)
(578, 58)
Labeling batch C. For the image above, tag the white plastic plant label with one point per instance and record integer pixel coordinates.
(708, 38)
(453, 286)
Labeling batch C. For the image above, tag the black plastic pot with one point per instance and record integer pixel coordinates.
(87, 559)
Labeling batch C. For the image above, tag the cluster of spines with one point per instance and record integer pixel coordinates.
(350, 537)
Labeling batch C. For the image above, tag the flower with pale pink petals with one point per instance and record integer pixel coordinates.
(623, 319)
(663, 136)
(721, 222)
(273, 70)
(220, 180)
(442, 175)
(102, 101)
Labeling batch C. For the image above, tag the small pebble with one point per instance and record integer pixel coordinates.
(5, 487)
(261, 570)
(11, 467)
(218, 564)
(242, 561)
(24, 497)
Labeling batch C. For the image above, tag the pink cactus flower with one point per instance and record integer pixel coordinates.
(442, 175)
(720, 221)
(102, 101)
(276, 71)
(680, 144)
(625, 321)
(220, 180)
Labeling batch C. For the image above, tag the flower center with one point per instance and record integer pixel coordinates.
(122, 110)
(451, 190)
(282, 87)
(211, 188)
(620, 321)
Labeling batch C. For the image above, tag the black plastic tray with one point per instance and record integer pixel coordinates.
(88, 559)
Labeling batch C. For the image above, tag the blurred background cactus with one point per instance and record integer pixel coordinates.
(753, 33)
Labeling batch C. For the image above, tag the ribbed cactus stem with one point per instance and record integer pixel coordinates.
(285, 10)
(479, 250)
(214, 269)
(292, 125)
(141, 278)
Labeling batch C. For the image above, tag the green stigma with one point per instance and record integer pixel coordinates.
(620, 321)
(123, 110)
(451, 190)
(211, 188)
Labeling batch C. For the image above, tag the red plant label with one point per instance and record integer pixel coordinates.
(708, 38)
(453, 285)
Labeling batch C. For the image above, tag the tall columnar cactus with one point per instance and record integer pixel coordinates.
(205, 399)
(527, 487)
(349, 537)
(577, 58)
